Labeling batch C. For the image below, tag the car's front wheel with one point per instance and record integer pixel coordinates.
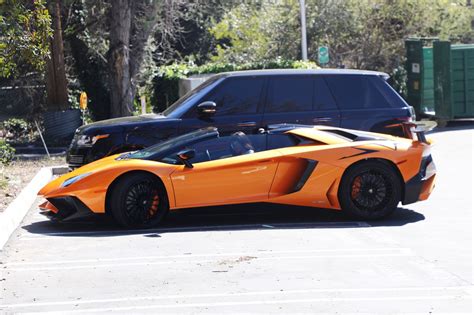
(138, 200)
(370, 190)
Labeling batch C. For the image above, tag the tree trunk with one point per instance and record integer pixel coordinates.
(56, 82)
(121, 89)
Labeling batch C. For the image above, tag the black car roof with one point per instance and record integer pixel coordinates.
(303, 72)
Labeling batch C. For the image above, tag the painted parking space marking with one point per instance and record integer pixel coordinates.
(396, 250)
(203, 261)
(465, 292)
(258, 302)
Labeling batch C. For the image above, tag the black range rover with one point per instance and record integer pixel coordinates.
(249, 100)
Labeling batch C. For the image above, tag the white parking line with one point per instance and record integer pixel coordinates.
(187, 256)
(309, 225)
(259, 302)
(464, 294)
(153, 263)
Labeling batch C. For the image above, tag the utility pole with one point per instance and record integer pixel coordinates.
(304, 48)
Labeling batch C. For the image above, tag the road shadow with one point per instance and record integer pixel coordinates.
(224, 218)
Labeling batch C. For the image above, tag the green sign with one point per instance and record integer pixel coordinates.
(323, 55)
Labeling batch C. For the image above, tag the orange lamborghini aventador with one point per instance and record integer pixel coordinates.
(364, 174)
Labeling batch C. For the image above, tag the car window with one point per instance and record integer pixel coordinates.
(276, 141)
(174, 144)
(221, 148)
(237, 96)
(182, 100)
(290, 94)
(392, 97)
(355, 92)
(323, 98)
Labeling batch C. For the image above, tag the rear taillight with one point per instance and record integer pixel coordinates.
(411, 109)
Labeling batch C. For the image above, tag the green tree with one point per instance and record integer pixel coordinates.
(25, 30)
(257, 31)
(364, 34)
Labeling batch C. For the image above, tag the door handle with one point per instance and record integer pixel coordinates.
(247, 124)
(321, 119)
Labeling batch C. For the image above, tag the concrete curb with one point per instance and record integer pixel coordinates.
(16, 211)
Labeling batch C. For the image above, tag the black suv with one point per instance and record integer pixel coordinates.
(249, 100)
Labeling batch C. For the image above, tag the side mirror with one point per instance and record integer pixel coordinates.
(185, 155)
(207, 108)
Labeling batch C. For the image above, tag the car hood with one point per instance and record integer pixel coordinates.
(122, 122)
(93, 167)
(103, 168)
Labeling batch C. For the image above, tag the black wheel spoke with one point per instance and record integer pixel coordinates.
(139, 202)
(371, 191)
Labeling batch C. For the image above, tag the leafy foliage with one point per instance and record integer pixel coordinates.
(25, 29)
(18, 130)
(363, 34)
(7, 153)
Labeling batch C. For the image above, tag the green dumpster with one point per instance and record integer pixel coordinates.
(443, 83)
(462, 76)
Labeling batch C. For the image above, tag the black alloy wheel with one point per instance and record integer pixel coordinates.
(139, 200)
(370, 190)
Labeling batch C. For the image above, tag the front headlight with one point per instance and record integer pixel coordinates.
(74, 179)
(88, 141)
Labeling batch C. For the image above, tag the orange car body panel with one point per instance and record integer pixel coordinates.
(267, 176)
(92, 190)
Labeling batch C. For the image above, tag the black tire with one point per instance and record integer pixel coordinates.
(370, 190)
(138, 200)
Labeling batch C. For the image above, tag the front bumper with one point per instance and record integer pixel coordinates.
(64, 208)
(420, 186)
(77, 157)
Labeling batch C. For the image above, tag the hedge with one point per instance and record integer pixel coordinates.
(166, 88)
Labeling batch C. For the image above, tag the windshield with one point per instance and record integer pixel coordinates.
(190, 94)
(157, 151)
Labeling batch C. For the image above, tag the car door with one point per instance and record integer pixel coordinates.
(237, 106)
(299, 99)
(222, 178)
(325, 109)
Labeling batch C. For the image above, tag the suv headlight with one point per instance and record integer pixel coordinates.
(88, 141)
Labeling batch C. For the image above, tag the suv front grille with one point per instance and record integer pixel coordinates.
(76, 159)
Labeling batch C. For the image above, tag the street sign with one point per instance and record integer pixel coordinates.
(323, 55)
(83, 101)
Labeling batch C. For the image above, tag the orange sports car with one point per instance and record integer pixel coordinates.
(364, 174)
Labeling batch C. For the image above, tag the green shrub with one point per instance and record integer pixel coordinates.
(166, 88)
(18, 127)
(7, 153)
(19, 131)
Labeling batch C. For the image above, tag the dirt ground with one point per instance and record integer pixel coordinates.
(14, 177)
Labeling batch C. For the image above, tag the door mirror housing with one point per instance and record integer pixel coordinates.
(207, 108)
(185, 155)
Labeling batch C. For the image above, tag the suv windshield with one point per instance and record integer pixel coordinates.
(190, 94)
(162, 149)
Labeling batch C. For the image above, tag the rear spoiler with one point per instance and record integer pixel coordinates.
(415, 130)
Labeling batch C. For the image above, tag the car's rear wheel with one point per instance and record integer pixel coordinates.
(370, 190)
(138, 200)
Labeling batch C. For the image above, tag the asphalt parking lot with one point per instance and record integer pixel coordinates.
(257, 258)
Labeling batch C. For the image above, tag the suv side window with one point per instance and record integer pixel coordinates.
(290, 94)
(322, 95)
(237, 95)
(392, 97)
(355, 92)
